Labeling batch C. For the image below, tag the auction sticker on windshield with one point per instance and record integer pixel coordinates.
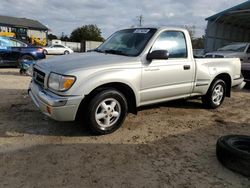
(143, 31)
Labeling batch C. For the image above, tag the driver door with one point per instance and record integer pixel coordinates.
(171, 78)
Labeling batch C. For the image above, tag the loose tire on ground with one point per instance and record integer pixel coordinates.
(215, 95)
(107, 111)
(233, 151)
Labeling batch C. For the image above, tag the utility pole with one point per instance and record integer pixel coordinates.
(140, 19)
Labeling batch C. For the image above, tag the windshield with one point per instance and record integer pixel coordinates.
(129, 42)
(234, 48)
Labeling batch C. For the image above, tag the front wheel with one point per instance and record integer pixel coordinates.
(215, 95)
(108, 110)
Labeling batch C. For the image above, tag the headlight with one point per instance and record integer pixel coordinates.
(59, 82)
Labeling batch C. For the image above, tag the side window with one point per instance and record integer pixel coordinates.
(4, 42)
(59, 46)
(172, 41)
(13, 43)
(18, 44)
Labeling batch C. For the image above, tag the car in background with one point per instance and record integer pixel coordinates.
(239, 50)
(198, 53)
(57, 49)
(245, 70)
(13, 51)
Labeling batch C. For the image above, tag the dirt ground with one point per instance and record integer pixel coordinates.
(168, 145)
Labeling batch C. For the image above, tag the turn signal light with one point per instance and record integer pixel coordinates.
(49, 109)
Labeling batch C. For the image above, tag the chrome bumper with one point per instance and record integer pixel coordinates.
(56, 107)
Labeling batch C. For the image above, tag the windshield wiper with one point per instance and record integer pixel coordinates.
(117, 52)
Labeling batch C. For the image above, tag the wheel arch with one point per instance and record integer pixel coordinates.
(126, 90)
(228, 80)
(28, 54)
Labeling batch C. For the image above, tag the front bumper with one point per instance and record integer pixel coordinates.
(56, 107)
(239, 83)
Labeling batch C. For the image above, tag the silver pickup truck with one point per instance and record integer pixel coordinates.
(132, 68)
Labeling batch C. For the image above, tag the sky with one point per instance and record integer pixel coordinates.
(63, 16)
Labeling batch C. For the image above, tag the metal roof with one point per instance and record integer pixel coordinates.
(238, 15)
(21, 22)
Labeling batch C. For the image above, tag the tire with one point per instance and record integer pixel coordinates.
(45, 52)
(66, 52)
(110, 118)
(213, 100)
(233, 151)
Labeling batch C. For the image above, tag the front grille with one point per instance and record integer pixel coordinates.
(38, 76)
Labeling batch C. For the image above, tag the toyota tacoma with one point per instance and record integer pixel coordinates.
(132, 68)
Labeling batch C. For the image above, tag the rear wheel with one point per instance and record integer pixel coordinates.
(26, 57)
(45, 52)
(215, 95)
(108, 110)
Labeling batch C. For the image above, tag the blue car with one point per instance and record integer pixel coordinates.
(13, 51)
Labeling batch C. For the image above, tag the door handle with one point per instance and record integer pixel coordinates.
(152, 69)
(186, 67)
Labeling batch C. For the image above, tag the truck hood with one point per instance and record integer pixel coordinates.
(69, 63)
(225, 53)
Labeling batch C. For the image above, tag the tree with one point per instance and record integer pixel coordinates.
(51, 36)
(191, 30)
(86, 32)
(198, 43)
(65, 38)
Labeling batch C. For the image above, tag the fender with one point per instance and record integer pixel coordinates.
(103, 77)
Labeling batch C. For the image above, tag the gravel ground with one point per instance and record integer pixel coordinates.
(167, 145)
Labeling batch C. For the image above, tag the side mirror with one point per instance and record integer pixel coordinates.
(158, 54)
